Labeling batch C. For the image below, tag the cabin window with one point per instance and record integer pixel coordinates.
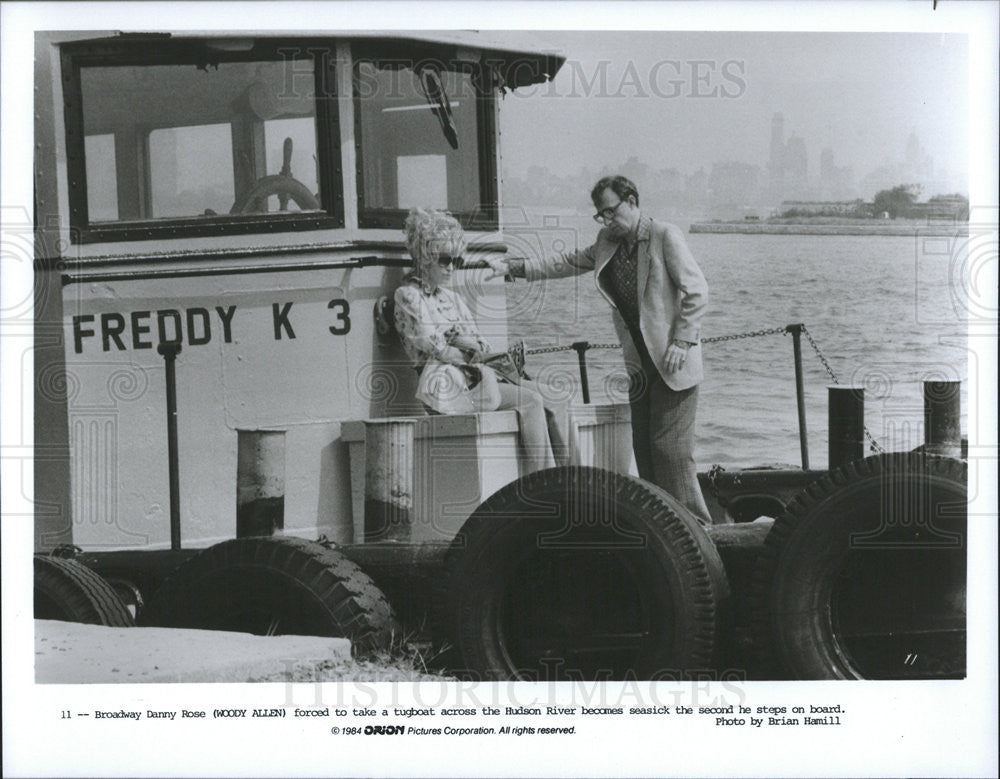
(424, 136)
(175, 138)
(102, 185)
(191, 171)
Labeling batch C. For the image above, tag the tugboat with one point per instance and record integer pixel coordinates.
(226, 430)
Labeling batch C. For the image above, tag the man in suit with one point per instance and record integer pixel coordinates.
(658, 294)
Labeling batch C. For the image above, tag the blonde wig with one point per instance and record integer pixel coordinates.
(431, 233)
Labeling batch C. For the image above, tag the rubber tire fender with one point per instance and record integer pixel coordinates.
(274, 585)
(794, 608)
(69, 591)
(668, 551)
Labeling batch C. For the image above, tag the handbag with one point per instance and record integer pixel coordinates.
(509, 365)
(458, 389)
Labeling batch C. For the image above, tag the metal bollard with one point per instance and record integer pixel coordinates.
(943, 418)
(846, 425)
(260, 482)
(388, 479)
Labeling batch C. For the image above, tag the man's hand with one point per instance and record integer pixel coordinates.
(498, 267)
(676, 356)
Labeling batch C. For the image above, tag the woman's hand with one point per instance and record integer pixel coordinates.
(471, 348)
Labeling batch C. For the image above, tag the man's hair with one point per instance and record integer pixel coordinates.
(620, 185)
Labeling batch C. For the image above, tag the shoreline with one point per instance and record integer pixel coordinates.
(764, 228)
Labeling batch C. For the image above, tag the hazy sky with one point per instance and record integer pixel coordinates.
(861, 94)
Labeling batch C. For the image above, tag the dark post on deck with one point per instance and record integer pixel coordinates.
(260, 482)
(943, 418)
(581, 355)
(169, 351)
(846, 425)
(800, 392)
(389, 448)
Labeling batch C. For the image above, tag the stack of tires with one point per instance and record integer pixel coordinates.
(69, 591)
(275, 586)
(578, 573)
(864, 575)
(259, 585)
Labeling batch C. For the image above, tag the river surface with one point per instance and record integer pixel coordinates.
(887, 313)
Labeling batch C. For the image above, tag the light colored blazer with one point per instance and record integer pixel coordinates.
(673, 294)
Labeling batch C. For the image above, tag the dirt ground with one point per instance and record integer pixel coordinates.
(387, 669)
(70, 652)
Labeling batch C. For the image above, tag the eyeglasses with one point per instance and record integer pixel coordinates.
(444, 260)
(606, 214)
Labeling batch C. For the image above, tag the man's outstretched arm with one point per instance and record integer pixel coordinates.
(555, 267)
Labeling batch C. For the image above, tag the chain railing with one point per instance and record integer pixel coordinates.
(795, 330)
(873, 445)
(750, 334)
(715, 339)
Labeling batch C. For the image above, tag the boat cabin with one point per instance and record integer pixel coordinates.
(243, 197)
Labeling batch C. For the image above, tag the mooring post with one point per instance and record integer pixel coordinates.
(581, 355)
(800, 392)
(846, 425)
(943, 418)
(388, 479)
(260, 482)
(169, 352)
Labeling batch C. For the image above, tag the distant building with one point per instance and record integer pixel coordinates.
(835, 182)
(826, 166)
(822, 208)
(734, 183)
(914, 166)
(696, 186)
(883, 177)
(788, 164)
(918, 162)
(942, 207)
(796, 163)
(776, 163)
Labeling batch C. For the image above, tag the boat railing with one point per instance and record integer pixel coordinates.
(796, 330)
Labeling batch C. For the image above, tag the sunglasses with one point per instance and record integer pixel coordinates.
(445, 260)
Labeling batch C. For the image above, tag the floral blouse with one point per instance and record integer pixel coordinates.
(427, 321)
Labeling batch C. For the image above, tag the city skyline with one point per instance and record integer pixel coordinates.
(786, 176)
(688, 101)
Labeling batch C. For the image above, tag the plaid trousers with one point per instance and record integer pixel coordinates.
(663, 437)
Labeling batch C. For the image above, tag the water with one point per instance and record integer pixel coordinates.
(885, 311)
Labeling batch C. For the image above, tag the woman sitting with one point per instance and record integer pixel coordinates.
(441, 338)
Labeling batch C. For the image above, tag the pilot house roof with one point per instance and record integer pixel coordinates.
(522, 58)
